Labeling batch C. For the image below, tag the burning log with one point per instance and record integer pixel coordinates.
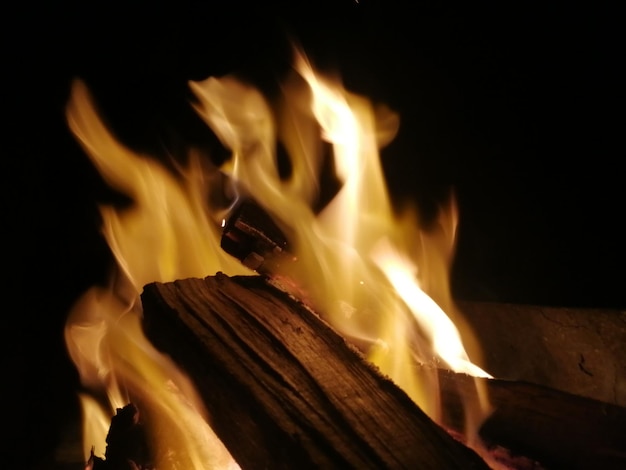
(283, 389)
(556, 428)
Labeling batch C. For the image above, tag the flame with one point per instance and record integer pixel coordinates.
(165, 235)
(377, 276)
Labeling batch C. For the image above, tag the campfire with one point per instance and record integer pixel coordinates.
(256, 318)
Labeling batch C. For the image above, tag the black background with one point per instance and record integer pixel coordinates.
(515, 108)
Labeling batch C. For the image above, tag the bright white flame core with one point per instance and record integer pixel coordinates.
(445, 337)
(356, 258)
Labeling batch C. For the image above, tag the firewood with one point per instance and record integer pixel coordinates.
(283, 389)
(537, 420)
(555, 428)
(127, 444)
(251, 236)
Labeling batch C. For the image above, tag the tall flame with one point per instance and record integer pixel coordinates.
(356, 259)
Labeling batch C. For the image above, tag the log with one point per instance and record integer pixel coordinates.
(127, 444)
(554, 428)
(283, 389)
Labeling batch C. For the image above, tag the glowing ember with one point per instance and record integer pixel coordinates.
(356, 259)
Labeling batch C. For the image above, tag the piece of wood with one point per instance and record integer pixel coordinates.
(283, 389)
(558, 429)
(555, 428)
(127, 444)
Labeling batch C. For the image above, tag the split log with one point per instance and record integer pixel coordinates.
(283, 389)
(555, 428)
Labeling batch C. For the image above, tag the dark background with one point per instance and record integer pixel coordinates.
(515, 108)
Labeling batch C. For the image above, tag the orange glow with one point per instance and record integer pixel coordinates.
(377, 277)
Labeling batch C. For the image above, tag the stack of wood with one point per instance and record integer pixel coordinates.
(285, 390)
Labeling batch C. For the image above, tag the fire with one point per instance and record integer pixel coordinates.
(379, 278)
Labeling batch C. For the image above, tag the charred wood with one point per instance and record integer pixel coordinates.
(555, 428)
(283, 389)
(127, 444)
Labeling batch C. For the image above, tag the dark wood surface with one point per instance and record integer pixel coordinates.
(283, 389)
(552, 427)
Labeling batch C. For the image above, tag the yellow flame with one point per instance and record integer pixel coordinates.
(356, 259)
(164, 235)
(445, 337)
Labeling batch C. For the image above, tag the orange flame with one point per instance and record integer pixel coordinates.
(357, 259)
